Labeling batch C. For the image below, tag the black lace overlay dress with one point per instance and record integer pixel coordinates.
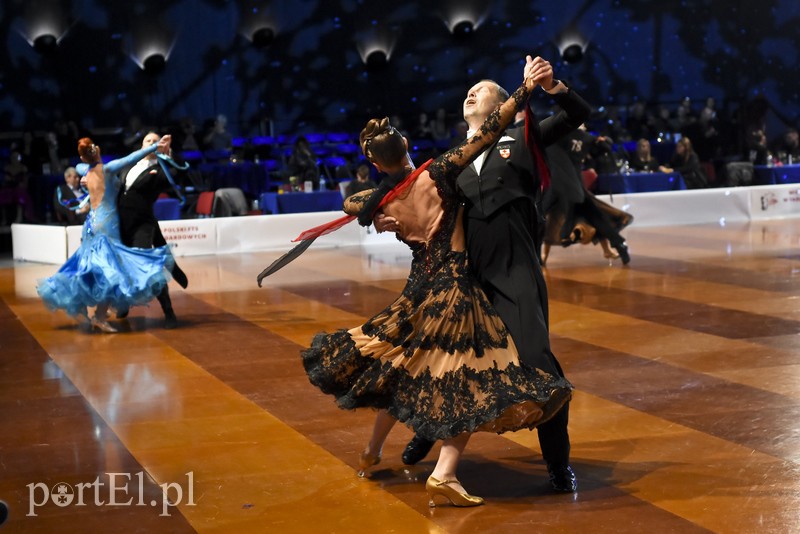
(438, 358)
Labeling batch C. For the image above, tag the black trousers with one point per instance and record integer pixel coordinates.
(601, 222)
(502, 256)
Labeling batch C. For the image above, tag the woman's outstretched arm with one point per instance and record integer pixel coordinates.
(114, 166)
(354, 203)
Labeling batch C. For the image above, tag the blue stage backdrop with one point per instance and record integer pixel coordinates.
(312, 74)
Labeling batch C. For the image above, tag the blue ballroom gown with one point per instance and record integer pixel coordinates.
(103, 270)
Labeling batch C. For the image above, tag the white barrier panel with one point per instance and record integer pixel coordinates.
(684, 207)
(774, 201)
(191, 237)
(36, 242)
(232, 235)
(74, 234)
(276, 232)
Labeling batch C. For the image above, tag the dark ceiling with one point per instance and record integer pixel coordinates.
(312, 74)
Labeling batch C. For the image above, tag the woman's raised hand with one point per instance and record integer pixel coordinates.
(528, 73)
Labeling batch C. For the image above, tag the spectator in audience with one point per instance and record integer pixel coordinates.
(51, 142)
(422, 130)
(754, 122)
(709, 112)
(757, 151)
(68, 197)
(218, 137)
(185, 137)
(663, 122)
(459, 133)
(788, 149)
(438, 126)
(302, 163)
(399, 125)
(642, 160)
(34, 152)
(612, 126)
(686, 162)
(685, 114)
(638, 123)
(15, 195)
(705, 132)
(362, 181)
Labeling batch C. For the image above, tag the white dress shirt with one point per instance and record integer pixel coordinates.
(479, 160)
(141, 166)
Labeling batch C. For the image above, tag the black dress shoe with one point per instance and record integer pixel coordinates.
(170, 321)
(416, 450)
(179, 276)
(623, 254)
(123, 313)
(562, 478)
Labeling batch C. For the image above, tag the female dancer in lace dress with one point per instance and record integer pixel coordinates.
(438, 358)
(103, 272)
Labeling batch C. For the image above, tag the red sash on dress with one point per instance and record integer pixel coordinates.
(308, 236)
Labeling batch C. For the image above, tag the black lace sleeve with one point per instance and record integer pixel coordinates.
(354, 203)
(449, 165)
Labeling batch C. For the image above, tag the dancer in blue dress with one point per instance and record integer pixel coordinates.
(103, 272)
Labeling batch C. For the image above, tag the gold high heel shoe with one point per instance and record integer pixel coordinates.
(365, 461)
(103, 326)
(440, 487)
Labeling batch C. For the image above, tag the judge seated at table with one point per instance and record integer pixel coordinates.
(67, 199)
(643, 160)
(362, 181)
(788, 150)
(686, 162)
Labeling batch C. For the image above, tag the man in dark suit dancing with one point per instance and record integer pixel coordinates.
(142, 183)
(501, 190)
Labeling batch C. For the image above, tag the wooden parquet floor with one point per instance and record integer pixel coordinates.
(686, 416)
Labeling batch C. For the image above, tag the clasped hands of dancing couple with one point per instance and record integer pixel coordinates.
(441, 358)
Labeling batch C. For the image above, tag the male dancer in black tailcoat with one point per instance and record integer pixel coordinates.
(142, 183)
